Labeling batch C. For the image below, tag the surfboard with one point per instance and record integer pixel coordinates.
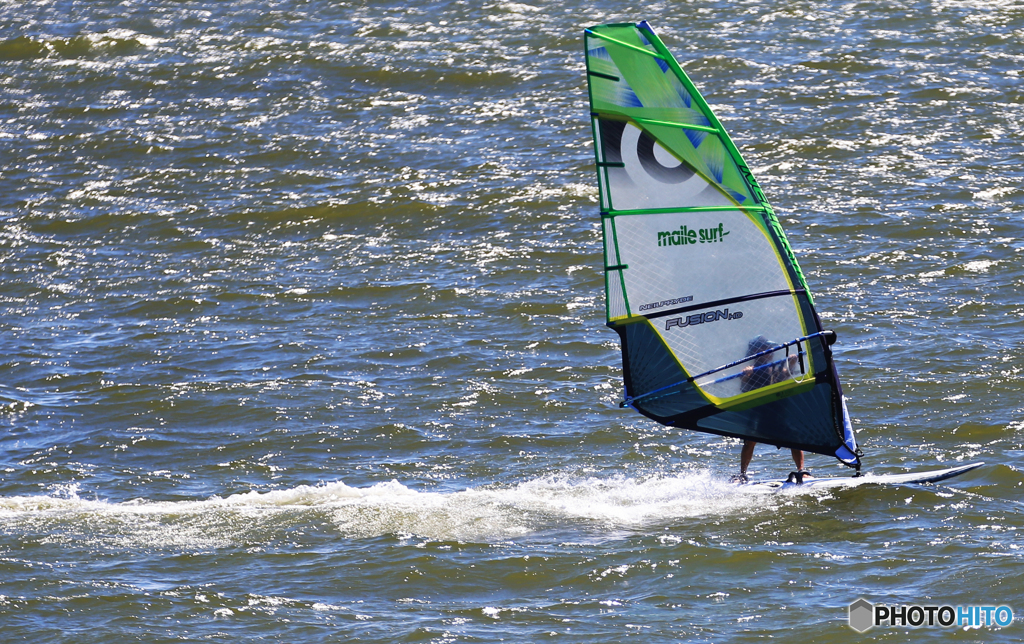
(783, 485)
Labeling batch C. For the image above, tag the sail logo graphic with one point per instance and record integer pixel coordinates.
(658, 305)
(702, 318)
(684, 236)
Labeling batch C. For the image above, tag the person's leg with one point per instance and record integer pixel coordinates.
(798, 458)
(746, 454)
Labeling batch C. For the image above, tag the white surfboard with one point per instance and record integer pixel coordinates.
(782, 485)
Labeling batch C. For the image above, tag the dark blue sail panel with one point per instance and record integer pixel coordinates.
(649, 368)
(806, 421)
(660, 389)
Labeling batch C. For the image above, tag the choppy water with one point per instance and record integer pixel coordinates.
(301, 325)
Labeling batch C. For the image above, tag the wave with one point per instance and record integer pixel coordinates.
(116, 42)
(605, 506)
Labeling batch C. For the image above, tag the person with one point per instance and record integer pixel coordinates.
(762, 373)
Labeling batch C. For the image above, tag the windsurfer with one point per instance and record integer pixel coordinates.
(763, 372)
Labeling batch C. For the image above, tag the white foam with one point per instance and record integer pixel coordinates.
(490, 513)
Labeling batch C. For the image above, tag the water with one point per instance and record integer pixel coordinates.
(302, 325)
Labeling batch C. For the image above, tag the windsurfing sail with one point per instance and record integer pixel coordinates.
(718, 328)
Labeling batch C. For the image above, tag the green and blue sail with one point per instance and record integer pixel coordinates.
(718, 328)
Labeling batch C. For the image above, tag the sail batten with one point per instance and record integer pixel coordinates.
(627, 45)
(718, 329)
(688, 126)
(717, 303)
(626, 213)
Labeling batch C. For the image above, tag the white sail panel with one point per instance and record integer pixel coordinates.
(707, 338)
(703, 256)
